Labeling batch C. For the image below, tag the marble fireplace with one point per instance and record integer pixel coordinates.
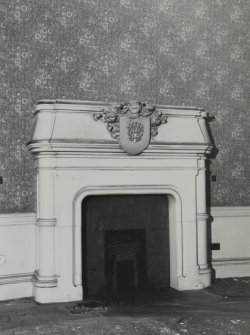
(78, 156)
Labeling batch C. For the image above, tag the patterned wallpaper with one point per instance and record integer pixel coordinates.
(190, 52)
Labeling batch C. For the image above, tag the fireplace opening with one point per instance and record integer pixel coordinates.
(125, 243)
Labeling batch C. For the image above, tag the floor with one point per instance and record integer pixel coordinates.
(223, 308)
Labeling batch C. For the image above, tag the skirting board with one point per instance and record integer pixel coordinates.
(226, 268)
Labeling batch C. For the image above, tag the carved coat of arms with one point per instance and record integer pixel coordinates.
(133, 124)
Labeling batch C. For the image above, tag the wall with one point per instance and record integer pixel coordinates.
(191, 52)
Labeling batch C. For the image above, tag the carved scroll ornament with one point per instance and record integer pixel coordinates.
(135, 110)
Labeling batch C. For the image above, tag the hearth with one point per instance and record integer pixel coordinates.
(125, 242)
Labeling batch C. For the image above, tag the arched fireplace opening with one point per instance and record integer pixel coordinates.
(125, 243)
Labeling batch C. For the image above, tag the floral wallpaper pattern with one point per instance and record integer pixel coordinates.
(190, 52)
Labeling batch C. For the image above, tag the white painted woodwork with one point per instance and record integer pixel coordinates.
(75, 157)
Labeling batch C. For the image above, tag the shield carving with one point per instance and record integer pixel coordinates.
(134, 124)
(134, 134)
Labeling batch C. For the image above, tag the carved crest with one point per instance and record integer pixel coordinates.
(135, 131)
(133, 124)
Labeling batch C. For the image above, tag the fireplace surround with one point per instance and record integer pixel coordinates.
(75, 157)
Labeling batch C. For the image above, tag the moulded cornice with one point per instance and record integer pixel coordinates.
(64, 125)
(95, 106)
(170, 149)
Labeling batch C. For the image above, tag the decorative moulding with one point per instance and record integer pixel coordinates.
(231, 261)
(12, 219)
(16, 219)
(16, 278)
(227, 211)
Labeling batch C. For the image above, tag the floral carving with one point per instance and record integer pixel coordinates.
(110, 116)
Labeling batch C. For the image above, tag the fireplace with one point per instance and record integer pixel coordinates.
(79, 161)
